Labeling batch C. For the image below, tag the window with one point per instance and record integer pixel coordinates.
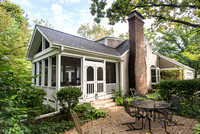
(40, 48)
(90, 74)
(53, 79)
(46, 73)
(99, 73)
(155, 75)
(40, 72)
(70, 71)
(46, 44)
(110, 73)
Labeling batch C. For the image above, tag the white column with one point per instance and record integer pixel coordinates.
(49, 71)
(37, 72)
(83, 76)
(33, 72)
(58, 66)
(121, 75)
(104, 77)
(43, 73)
(117, 73)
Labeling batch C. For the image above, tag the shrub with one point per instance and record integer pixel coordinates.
(197, 129)
(182, 88)
(51, 128)
(85, 111)
(69, 98)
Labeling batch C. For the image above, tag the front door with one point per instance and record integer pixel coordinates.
(95, 79)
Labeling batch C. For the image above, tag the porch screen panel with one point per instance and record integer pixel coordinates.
(53, 78)
(70, 71)
(110, 73)
(99, 73)
(40, 72)
(46, 73)
(90, 74)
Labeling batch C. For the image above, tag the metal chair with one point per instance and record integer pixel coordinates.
(162, 116)
(135, 114)
(78, 126)
(134, 93)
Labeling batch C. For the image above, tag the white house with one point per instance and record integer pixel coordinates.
(97, 67)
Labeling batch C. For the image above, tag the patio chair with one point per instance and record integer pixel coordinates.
(134, 93)
(162, 116)
(135, 114)
(175, 104)
(78, 126)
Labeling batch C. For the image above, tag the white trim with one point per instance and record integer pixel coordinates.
(84, 77)
(86, 51)
(37, 72)
(43, 73)
(49, 71)
(125, 53)
(58, 65)
(104, 76)
(44, 35)
(43, 43)
(121, 75)
(33, 72)
(163, 69)
(117, 72)
(45, 56)
(46, 51)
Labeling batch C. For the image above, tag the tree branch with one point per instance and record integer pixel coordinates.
(165, 5)
(177, 21)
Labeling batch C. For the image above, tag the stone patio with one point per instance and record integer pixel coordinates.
(116, 116)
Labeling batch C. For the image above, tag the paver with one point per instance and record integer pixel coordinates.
(116, 115)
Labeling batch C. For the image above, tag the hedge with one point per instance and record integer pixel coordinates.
(182, 88)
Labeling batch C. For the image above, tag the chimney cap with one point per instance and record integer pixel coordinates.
(135, 14)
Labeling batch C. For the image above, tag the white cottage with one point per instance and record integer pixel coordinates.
(97, 67)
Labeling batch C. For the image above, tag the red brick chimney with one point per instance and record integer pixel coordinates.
(137, 63)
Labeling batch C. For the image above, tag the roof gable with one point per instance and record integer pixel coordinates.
(61, 38)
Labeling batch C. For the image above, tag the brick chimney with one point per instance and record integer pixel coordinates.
(137, 63)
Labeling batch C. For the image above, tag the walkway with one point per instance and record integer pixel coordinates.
(116, 116)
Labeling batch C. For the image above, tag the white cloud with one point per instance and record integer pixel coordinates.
(56, 8)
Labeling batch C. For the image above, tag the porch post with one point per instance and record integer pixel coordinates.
(38, 71)
(33, 72)
(49, 71)
(104, 77)
(43, 73)
(58, 65)
(121, 76)
(83, 78)
(117, 73)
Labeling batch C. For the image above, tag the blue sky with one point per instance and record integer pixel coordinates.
(65, 15)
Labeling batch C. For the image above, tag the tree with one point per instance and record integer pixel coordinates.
(186, 12)
(15, 35)
(124, 35)
(94, 32)
(180, 43)
(43, 23)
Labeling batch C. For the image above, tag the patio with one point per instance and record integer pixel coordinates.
(116, 115)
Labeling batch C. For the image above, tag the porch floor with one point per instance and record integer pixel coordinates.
(116, 115)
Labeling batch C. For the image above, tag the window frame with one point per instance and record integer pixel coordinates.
(157, 75)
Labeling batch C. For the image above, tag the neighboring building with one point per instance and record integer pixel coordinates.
(97, 67)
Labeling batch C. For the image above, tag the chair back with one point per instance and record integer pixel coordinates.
(174, 101)
(133, 92)
(76, 121)
(126, 106)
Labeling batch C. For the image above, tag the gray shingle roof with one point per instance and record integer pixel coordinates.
(62, 38)
(122, 48)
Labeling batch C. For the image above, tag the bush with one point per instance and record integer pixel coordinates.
(51, 128)
(197, 129)
(182, 88)
(85, 111)
(69, 98)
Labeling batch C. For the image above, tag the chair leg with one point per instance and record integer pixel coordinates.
(130, 122)
(131, 127)
(166, 127)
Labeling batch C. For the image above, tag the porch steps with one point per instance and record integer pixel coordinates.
(103, 103)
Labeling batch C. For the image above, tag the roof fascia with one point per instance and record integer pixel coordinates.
(30, 45)
(86, 51)
(45, 37)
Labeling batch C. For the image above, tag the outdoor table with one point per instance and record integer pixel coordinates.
(149, 106)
